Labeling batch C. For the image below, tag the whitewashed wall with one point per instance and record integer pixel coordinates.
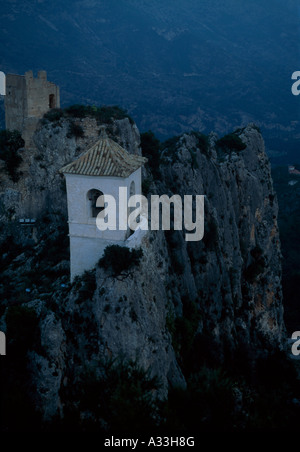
(87, 242)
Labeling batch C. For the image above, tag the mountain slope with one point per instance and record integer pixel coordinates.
(174, 65)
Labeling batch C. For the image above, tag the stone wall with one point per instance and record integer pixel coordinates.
(15, 101)
(27, 100)
(41, 94)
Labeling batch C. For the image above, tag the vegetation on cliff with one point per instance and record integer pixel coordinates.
(197, 316)
(10, 144)
(103, 115)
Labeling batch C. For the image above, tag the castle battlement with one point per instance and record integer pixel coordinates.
(27, 100)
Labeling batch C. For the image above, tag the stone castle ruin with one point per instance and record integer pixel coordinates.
(27, 99)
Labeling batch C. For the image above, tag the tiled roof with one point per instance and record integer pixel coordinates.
(105, 158)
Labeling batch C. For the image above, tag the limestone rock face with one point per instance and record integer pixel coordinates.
(47, 370)
(232, 276)
(234, 273)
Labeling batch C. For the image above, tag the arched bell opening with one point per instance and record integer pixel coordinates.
(92, 197)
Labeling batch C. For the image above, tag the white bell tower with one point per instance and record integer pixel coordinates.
(103, 169)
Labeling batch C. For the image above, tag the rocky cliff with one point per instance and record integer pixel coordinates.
(185, 305)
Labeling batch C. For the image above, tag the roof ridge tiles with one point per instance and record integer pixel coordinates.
(105, 158)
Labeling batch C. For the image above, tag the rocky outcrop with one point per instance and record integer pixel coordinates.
(234, 273)
(206, 301)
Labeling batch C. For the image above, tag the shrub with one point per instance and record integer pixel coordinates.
(151, 149)
(88, 286)
(202, 142)
(239, 130)
(77, 111)
(133, 315)
(257, 128)
(231, 142)
(103, 115)
(10, 143)
(54, 249)
(39, 157)
(120, 259)
(257, 266)
(75, 130)
(9, 249)
(54, 114)
(256, 252)
(170, 147)
(120, 397)
(106, 114)
(253, 270)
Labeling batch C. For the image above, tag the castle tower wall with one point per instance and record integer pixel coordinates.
(15, 102)
(41, 95)
(27, 100)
